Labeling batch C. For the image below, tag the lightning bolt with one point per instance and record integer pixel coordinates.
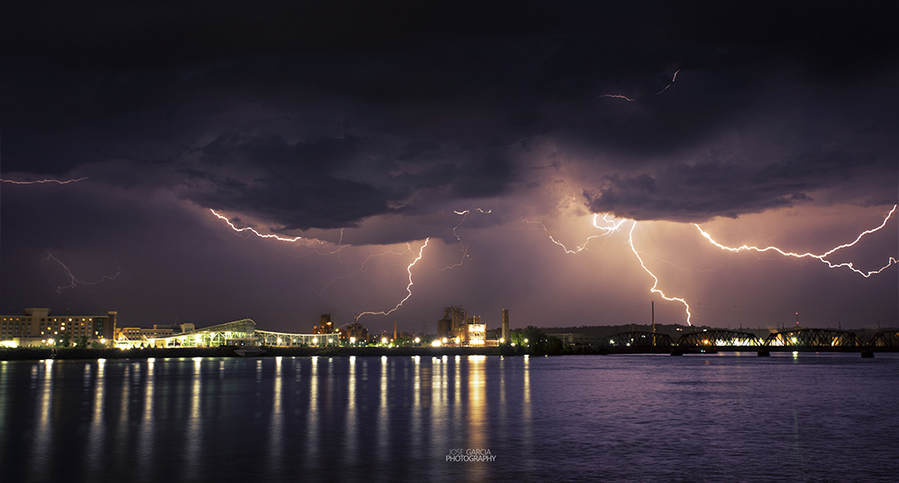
(611, 227)
(361, 268)
(44, 181)
(673, 78)
(74, 281)
(252, 230)
(463, 214)
(654, 289)
(822, 257)
(618, 96)
(408, 287)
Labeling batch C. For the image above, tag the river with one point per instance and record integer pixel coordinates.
(729, 417)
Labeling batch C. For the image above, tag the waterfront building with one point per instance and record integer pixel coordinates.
(453, 323)
(325, 326)
(140, 334)
(457, 328)
(236, 333)
(37, 326)
(356, 334)
(476, 332)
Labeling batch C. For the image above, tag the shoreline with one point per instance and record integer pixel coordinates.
(30, 354)
(34, 354)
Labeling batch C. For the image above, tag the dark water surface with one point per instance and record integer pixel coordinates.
(724, 417)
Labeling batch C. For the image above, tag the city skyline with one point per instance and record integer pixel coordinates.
(281, 162)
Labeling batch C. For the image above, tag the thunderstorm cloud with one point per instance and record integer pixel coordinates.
(383, 118)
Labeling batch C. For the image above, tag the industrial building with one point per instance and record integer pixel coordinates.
(357, 334)
(456, 327)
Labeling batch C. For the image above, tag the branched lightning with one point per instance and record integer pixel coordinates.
(611, 227)
(654, 289)
(39, 181)
(822, 257)
(408, 287)
(361, 268)
(340, 246)
(463, 214)
(74, 282)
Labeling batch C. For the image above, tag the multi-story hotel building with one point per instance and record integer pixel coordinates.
(38, 326)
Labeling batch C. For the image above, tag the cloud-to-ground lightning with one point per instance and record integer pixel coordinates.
(612, 226)
(408, 287)
(822, 257)
(655, 289)
(362, 267)
(74, 281)
(39, 181)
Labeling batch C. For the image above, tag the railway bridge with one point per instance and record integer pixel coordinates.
(713, 340)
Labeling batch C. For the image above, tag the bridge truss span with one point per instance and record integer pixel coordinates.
(885, 340)
(638, 340)
(813, 338)
(719, 338)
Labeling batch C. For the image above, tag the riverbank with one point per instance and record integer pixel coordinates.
(26, 353)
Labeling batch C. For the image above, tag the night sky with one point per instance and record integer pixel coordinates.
(364, 127)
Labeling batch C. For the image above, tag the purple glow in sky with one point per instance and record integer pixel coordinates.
(357, 139)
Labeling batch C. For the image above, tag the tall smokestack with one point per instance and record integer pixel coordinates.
(506, 326)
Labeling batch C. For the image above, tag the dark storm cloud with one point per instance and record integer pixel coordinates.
(701, 191)
(291, 184)
(323, 114)
(693, 194)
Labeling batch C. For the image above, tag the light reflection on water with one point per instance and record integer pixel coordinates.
(97, 428)
(41, 453)
(627, 418)
(146, 431)
(276, 425)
